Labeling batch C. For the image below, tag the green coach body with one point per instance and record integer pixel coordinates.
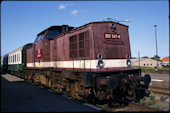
(17, 59)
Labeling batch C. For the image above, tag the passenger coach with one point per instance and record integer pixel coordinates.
(16, 60)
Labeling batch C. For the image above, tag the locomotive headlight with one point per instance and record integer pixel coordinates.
(100, 63)
(128, 62)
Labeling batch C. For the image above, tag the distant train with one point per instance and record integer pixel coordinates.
(91, 61)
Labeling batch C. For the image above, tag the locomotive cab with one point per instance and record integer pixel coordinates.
(41, 52)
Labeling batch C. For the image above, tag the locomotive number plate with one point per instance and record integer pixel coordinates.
(39, 53)
(111, 36)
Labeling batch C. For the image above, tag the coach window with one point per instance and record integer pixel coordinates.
(84, 44)
(73, 46)
(15, 57)
(19, 58)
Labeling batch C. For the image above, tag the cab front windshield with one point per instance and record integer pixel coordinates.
(52, 33)
(39, 37)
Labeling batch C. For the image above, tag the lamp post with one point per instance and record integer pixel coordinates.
(139, 58)
(117, 20)
(156, 46)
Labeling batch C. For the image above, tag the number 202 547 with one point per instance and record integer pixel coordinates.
(111, 36)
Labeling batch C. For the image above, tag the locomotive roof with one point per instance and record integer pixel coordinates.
(99, 23)
(74, 28)
(55, 28)
(106, 22)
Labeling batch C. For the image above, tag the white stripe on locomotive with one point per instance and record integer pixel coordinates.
(89, 64)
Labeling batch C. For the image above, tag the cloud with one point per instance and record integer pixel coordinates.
(74, 12)
(63, 6)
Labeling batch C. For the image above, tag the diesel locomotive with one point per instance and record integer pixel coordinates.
(92, 61)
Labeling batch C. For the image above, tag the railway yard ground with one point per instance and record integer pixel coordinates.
(159, 80)
(17, 95)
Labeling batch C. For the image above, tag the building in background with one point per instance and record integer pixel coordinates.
(165, 61)
(146, 62)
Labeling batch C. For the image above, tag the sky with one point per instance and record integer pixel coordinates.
(21, 21)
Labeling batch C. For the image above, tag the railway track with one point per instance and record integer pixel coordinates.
(142, 107)
(130, 106)
(159, 90)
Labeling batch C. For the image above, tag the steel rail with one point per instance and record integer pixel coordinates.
(158, 92)
(138, 107)
(159, 88)
(142, 107)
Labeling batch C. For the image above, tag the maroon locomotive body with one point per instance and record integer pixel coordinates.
(81, 48)
(90, 61)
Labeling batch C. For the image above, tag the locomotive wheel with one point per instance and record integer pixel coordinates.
(131, 95)
(74, 93)
(36, 78)
(59, 87)
(56, 86)
(73, 90)
(91, 98)
(66, 88)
